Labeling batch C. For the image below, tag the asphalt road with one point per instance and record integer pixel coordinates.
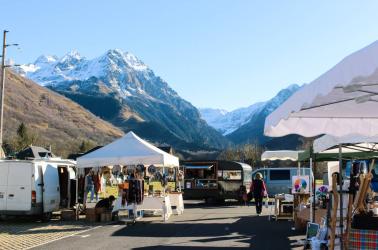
(201, 227)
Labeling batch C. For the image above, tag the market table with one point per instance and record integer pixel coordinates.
(177, 201)
(161, 204)
(283, 209)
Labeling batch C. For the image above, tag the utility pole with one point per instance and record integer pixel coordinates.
(2, 92)
(2, 88)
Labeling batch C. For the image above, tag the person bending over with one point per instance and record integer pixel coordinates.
(106, 203)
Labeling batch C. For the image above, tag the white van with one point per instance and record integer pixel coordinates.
(278, 180)
(36, 187)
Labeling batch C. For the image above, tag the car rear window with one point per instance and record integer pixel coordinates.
(276, 175)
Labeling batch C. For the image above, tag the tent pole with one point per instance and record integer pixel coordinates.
(299, 168)
(76, 193)
(313, 189)
(341, 194)
(311, 180)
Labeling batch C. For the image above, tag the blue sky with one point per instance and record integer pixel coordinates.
(220, 54)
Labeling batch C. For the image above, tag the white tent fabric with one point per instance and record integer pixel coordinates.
(359, 143)
(128, 150)
(280, 155)
(291, 114)
(351, 109)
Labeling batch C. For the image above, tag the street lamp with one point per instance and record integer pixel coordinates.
(3, 66)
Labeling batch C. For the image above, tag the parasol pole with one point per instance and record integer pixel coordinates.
(341, 194)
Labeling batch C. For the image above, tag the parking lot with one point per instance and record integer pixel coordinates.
(26, 234)
(201, 226)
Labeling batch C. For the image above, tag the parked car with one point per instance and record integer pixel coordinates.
(215, 180)
(36, 187)
(279, 180)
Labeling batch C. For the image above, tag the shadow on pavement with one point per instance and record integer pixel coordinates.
(256, 232)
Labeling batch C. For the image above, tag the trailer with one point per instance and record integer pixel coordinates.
(216, 180)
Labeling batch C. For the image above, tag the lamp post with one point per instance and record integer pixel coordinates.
(3, 66)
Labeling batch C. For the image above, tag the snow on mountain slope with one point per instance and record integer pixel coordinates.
(121, 89)
(252, 130)
(49, 70)
(227, 122)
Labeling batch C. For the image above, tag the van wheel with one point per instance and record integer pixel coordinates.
(46, 217)
(3, 217)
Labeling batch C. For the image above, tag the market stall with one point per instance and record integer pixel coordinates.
(140, 162)
(328, 107)
(286, 205)
(358, 185)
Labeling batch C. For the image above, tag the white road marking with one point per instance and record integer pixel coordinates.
(85, 236)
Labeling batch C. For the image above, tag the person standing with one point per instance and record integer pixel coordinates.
(89, 186)
(259, 191)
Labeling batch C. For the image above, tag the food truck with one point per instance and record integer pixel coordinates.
(215, 180)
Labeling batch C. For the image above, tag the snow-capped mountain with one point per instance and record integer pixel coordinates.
(252, 130)
(227, 122)
(121, 89)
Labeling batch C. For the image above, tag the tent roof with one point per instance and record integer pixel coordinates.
(349, 152)
(280, 155)
(344, 110)
(350, 108)
(128, 150)
(350, 142)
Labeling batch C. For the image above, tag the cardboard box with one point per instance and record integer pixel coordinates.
(106, 217)
(68, 215)
(91, 211)
(100, 210)
(91, 217)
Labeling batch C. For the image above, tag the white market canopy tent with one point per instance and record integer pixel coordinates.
(280, 155)
(340, 102)
(350, 143)
(128, 150)
(345, 110)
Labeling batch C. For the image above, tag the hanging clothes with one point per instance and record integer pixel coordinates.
(134, 193)
(97, 182)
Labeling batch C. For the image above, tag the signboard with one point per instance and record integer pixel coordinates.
(312, 230)
(300, 184)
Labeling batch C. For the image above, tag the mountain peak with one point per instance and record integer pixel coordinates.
(127, 58)
(73, 54)
(43, 59)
